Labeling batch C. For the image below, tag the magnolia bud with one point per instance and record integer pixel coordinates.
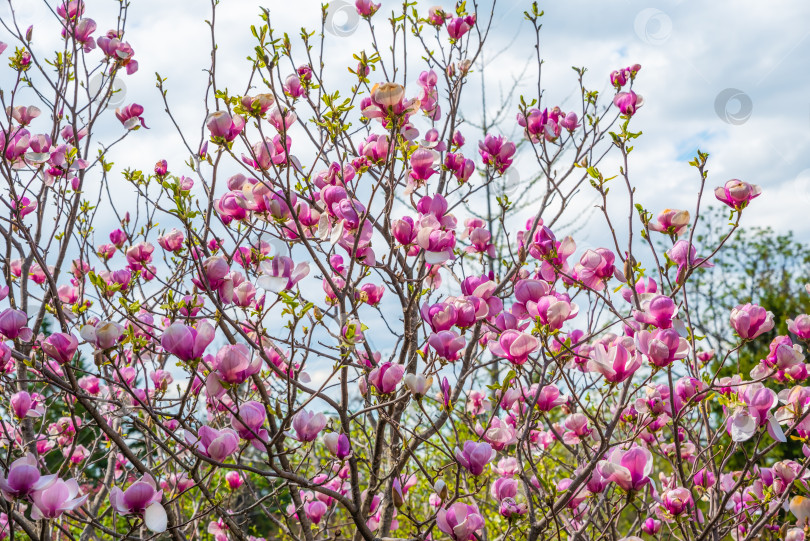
(440, 487)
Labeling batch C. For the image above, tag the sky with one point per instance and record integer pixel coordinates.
(727, 77)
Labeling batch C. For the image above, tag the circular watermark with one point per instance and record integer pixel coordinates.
(733, 106)
(342, 18)
(510, 181)
(802, 186)
(653, 26)
(100, 86)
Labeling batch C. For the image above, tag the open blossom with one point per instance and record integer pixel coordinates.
(616, 364)
(418, 384)
(447, 344)
(595, 267)
(628, 102)
(460, 521)
(497, 152)
(279, 275)
(678, 501)
(737, 194)
(55, 499)
(223, 127)
(758, 402)
(131, 116)
(143, 499)
(232, 365)
(102, 335)
(514, 346)
(630, 469)
(751, 320)
(24, 478)
(662, 347)
(671, 222)
(657, 310)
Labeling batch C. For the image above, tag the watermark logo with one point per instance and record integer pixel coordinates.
(342, 18)
(99, 86)
(653, 26)
(733, 106)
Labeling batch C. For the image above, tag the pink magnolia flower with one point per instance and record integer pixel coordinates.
(234, 479)
(131, 116)
(279, 274)
(338, 444)
(642, 286)
(651, 526)
(475, 456)
(662, 347)
(800, 326)
(437, 244)
(185, 342)
(656, 310)
(12, 325)
(751, 320)
(595, 267)
(514, 346)
(53, 500)
(671, 222)
(758, 402)
(366, 8)
(215, 444)
(737, 194)
(172, 241)
(24, 478)
(616, 364)
(103, 335)
(248, 423)
(461, 167)
(553, 310)
(142, 499)
(678, 501)
(223, 127)
(447, 344)
(458, 26)
(460, 521)
(308, 425)
(386, 377)
(550, 398)
(577, 429)
(422, 161)
(60, 347)
(500, 433)
(119, 51)
(497, 152)
(628, 102)
(441, 316)
(233, 365)
(630, 469)
(24, 404)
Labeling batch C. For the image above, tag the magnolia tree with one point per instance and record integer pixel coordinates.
(298, 334)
